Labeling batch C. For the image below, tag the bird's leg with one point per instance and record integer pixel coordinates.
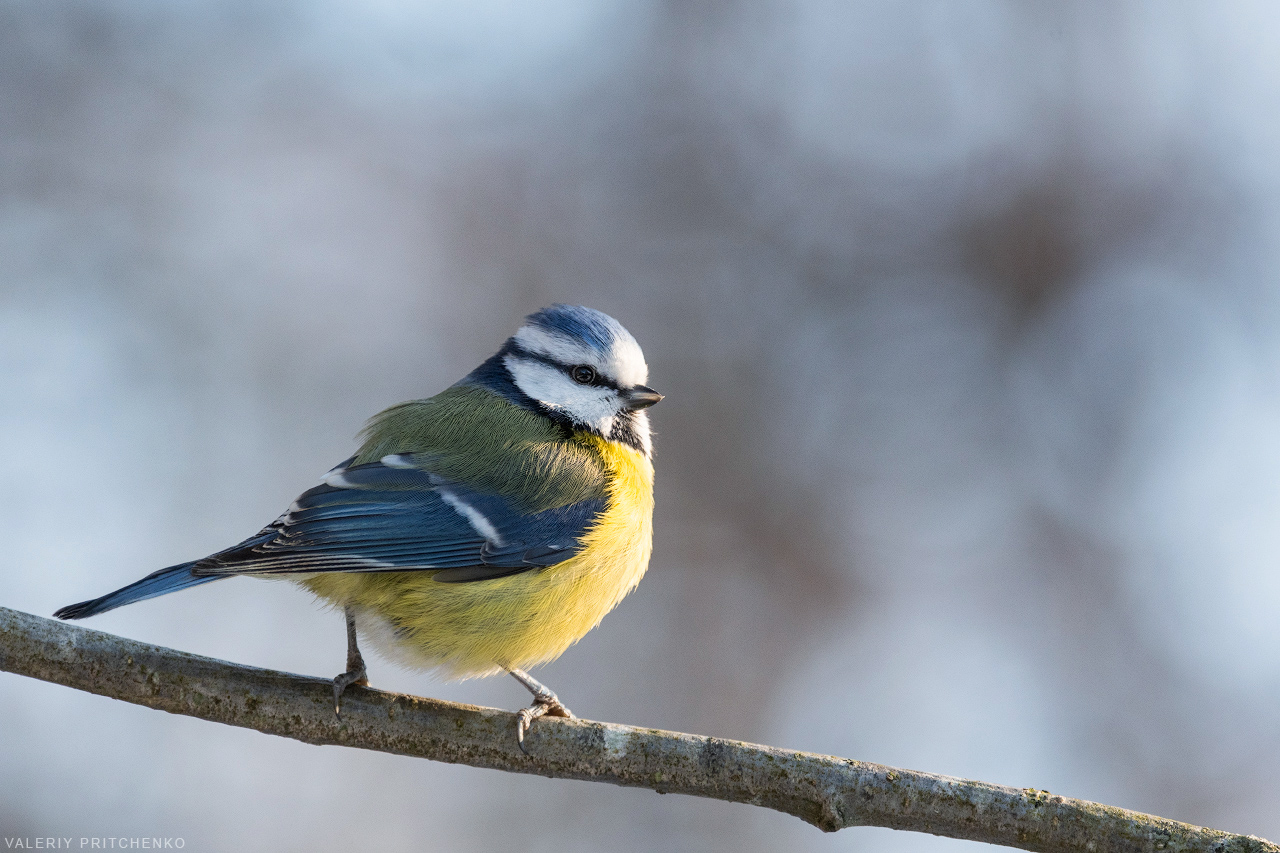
(545, 703)
(356, 673)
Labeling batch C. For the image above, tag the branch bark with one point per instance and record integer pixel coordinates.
(830, 793)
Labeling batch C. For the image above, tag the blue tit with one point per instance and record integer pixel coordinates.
(482, 530)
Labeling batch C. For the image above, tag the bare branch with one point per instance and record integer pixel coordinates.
(830, 793)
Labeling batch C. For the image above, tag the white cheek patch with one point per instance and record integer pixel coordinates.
(588, 404)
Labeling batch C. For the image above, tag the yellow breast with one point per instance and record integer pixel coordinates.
(481, 628)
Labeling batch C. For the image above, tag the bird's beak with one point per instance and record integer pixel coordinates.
(640, 397)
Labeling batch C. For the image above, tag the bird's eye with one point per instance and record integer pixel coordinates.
(583, 375)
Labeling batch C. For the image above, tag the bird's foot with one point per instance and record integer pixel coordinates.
(545, 704)
(357, 676)
(356, 672)
(551, 707)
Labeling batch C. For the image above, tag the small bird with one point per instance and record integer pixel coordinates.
(482, 530)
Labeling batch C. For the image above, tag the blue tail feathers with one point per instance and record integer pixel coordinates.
(157, 583)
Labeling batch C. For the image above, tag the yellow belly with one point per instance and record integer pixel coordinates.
(515, 622)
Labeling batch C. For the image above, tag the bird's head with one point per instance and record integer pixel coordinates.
(581, 366)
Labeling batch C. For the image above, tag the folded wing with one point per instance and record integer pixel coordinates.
(397, 515)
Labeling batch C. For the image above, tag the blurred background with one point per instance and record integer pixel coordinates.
(968, 315)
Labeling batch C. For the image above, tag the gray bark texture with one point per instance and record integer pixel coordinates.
(830, 793)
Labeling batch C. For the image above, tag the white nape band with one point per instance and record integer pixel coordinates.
(474, 516)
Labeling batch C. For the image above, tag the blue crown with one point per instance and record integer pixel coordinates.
(594, 328)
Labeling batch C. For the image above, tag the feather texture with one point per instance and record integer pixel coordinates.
(466, 630)
(426, 504)
(164, 581)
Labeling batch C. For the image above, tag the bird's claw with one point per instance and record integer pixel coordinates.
(342, 682)
(356, 672)
(544, 705)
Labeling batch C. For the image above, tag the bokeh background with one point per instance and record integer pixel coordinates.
(968, 315)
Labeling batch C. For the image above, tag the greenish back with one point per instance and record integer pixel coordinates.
(472, 436)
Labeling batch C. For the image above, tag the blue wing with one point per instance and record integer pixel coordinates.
(396, 515)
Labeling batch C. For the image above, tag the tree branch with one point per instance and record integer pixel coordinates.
(830, 793)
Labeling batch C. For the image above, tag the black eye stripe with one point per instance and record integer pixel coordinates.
(600, 380)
